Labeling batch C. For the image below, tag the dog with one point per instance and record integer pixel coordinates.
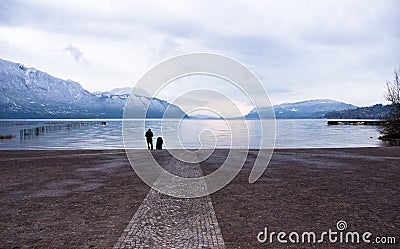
(159, 143)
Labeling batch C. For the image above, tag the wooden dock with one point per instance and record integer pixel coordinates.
(356, 122)
(54, 126)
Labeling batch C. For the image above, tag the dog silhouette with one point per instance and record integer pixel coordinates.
(159, 143)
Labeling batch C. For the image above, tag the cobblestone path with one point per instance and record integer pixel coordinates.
(163, 221)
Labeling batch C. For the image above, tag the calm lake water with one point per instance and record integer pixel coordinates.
(92, 134)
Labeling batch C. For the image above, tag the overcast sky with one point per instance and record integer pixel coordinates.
(343, 50)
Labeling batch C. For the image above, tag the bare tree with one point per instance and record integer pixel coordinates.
(391, 130)
(392, 93)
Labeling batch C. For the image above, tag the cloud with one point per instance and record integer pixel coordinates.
(76, 54)
(340, 49)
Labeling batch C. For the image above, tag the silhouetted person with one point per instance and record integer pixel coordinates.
(149, 139)
(159, 143)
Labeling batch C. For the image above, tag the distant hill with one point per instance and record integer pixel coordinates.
(30, 93)
(378, 111)
(305, 109)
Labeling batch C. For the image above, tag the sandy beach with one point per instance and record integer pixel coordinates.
(86, 198)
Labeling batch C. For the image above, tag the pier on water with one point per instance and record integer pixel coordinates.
(356, 122)
(52, 127)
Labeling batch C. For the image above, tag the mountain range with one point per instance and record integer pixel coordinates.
(377, 111)
(305, 109)
(30, 93)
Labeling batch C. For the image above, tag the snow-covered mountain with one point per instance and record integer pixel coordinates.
(30, 93)
(305, 109)
(125, 90)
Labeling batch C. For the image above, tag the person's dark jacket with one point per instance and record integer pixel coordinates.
(149, 135)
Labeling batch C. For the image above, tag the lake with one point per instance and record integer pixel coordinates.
(93, 134)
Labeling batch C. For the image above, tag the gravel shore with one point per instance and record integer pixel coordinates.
(310, 190)
(66, 199)
(86, 198)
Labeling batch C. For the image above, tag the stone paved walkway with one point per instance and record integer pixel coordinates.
(163, 221)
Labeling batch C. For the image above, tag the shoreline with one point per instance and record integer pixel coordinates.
(218, 149)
